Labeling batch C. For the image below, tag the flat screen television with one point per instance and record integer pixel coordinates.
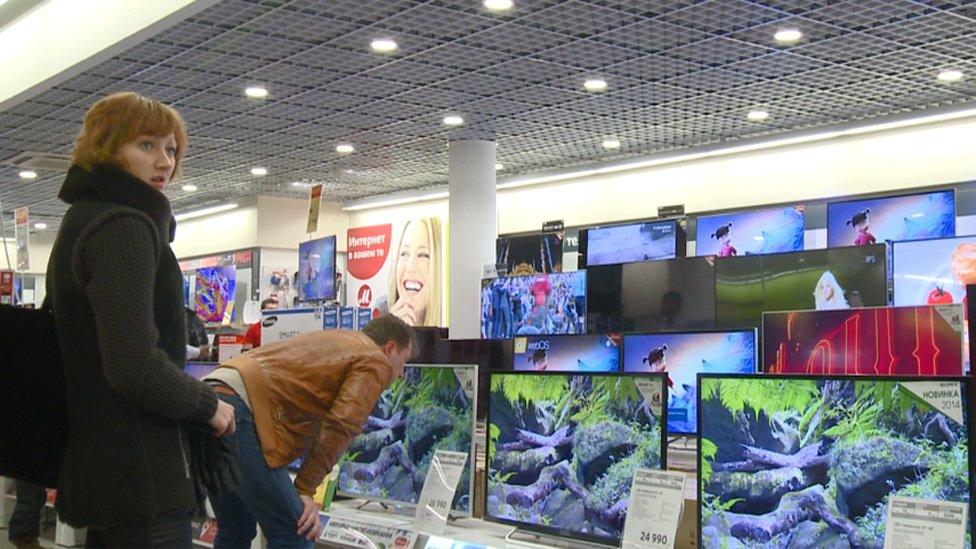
(567, 353)
(647, 241)
(683, 355)
(538, 304)
(200, 370)
(768, 231)
(836, 278)
(814, 460)
(531, 254)
(563, 449)
(316, 269)
(906, 217)
(215, 292)
(923, 340)
(431, 408)
(677, 294)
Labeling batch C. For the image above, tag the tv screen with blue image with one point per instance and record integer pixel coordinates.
(895, 218)
(757, 232)
(575, 353)
(684, 355)
(316, 269)
(647, 241)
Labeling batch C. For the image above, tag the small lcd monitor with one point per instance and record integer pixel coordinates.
(891, 218)
(533, 305)
(837, 278)
(922, 340)
(647, 241)
(755, 232)
(683, 355)
(676, 294)
(531, 254)
(431, 408)
(814, 461)
(567, 353)
(316, 269)
(563, 449)
(216, 288)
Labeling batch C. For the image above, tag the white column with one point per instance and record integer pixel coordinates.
(473, 229)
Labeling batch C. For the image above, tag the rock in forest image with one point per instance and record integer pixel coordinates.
(803, 463)
(563, 449)
(427, 410)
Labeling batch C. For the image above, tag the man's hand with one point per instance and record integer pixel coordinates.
(223, 419)
(309, 524)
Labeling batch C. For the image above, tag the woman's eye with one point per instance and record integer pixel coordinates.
(171, 151)
(424, 255)
(146, 145)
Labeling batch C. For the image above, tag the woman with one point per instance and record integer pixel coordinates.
(415, 274)
(116, 291)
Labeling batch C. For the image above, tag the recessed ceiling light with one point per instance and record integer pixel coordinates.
(611, 143)
(383, 45)
(499, 5)
(950, 76)
(757, 116)
(259, 171)
(301, 184)
(595, 85)
(28, 174)
(40, 226)
(256, 92)
(190, 188)
(344, 148)
(788, 36)
(499, 166)
(453, 120)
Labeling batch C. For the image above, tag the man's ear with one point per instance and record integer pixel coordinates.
(390, 347)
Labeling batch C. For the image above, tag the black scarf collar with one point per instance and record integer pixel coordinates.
(111, 184)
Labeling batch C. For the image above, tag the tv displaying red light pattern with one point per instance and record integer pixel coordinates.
(917, 340)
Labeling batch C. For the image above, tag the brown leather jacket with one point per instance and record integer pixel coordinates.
(312, 392)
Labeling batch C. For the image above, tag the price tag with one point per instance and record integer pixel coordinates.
(343, 532)
(924, 524)
(656, 502)
(438, 492)
(466, 376)
(650, 389)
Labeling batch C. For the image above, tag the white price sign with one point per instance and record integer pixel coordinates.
(343, 532)
(925, 524)
(944, 396)
(656, 502)
(438, 492)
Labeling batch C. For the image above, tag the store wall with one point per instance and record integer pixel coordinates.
(225, 231)
(897, 159)
(282, 222)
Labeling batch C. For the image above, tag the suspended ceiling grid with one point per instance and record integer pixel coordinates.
(681, 74)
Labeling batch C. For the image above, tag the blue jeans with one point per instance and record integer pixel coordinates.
(264, 496)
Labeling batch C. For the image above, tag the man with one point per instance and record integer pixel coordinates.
(252, 339)
(197, 343)
(25, 523)
(310, 393)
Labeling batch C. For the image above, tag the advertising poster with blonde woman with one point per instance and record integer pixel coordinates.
(399, 269)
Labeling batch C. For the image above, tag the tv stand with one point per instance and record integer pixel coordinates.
(547, 541)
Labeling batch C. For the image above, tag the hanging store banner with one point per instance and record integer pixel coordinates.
(22, 238)
(6, 287)
(314, 203)
(399, 269)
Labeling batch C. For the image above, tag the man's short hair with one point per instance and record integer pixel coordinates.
(387, 328)
(268, 302)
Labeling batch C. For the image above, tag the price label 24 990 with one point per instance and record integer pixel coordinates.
(657, 539)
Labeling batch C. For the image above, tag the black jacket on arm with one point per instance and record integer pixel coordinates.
(116, 291)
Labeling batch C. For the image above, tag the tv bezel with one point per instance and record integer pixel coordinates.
(335, 252)
(966, 383)
(578, 272)
(893, 196)
(557, 532)
(680, 241)
(510, 367)
(757, 353)
(762, 257)
(798, 207)
(469, 464)
(962, 338)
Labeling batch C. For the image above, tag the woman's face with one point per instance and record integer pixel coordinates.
(151, 158)
(413, 266)
(826, 290)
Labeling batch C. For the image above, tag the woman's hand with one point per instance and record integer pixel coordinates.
(223, 419)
